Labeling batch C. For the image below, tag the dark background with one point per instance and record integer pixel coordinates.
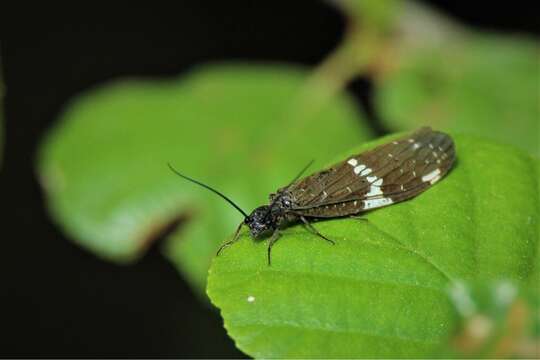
(59, 300)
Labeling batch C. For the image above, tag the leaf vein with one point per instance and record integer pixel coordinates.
(414, 252)
(324, 328)
(332, 277)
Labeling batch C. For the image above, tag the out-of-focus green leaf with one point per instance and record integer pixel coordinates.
(367, 31)
(371, 13)
(453, 79)
(498, 319)
(243, 129)
(384, 289)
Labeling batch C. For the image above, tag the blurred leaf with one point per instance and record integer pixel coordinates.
(370, 13)
(498, 319)
(365, 37)
(239, 128)
(451, 78)
(383, 289)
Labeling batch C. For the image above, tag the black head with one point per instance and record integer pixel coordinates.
(263, 219)
(260, 221)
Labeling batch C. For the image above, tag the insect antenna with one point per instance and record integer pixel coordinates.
(207, 187)
(301, 172)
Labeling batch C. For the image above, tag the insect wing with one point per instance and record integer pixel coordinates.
(390, 173)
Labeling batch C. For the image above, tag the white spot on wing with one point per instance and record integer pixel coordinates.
(416, 146)
(375, 203)
(365, 172)
(359, 168)
(432, 176)
(375, 186)
(374, 190)
(250, 298)
(352, 162)
(371, 178)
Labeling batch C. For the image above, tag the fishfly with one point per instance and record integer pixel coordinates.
(390, 173)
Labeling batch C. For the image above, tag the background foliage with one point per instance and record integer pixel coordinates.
(220, 123)
(459, 79)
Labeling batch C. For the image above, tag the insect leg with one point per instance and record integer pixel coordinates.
(315, 231)
(359, 218)
(273, 239)
(232, 241)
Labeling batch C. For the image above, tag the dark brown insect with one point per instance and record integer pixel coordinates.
(387, 174)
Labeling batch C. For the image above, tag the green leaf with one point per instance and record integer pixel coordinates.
(371, 13)
(384, 289)
(244, 129)
(479, 84)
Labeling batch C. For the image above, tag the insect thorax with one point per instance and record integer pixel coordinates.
(282, 200)
(268, 218)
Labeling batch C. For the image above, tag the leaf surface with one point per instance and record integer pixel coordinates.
(383, 289)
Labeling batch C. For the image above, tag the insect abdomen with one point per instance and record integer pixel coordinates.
(334, 210)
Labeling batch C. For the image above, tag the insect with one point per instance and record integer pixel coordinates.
(390, 173)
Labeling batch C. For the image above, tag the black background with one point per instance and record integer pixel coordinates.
(58, 300)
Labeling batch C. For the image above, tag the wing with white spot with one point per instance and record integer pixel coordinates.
(389, 173)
